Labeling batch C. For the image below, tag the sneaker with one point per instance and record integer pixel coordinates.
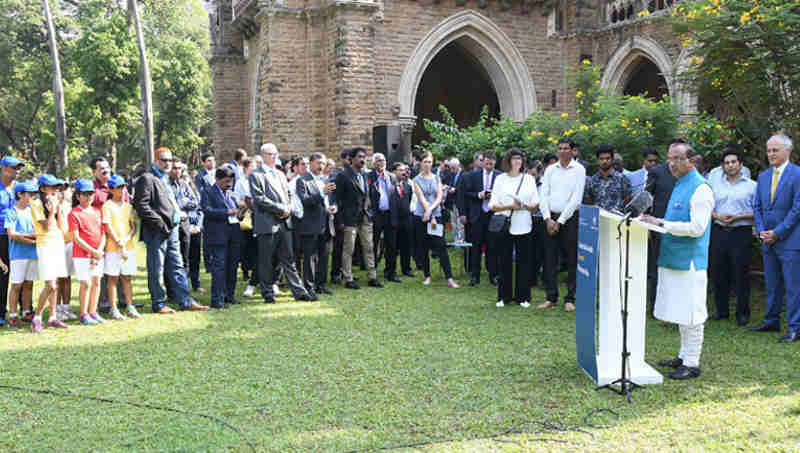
(427, 281)
(525, 304)
(68, 315)
(569, 306)
(36, 326)
(27, 317)
(116, 315)
(499, 304)
(13, 323)
(57, 324)
(97, 318)
(87, 320)
(200, 290)
(275, 290)
(133, 313)
(546, 304)
(249, 291)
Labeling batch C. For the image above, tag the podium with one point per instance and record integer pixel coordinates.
(600, 293)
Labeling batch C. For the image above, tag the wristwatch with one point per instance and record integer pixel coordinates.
(661, 223)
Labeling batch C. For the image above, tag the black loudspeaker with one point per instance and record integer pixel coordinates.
(386, 140)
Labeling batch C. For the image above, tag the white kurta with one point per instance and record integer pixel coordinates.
(681, 295)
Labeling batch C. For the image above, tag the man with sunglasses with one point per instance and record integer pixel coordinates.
(157, 207)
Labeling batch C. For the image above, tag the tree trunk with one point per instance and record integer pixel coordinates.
(144, 83)
(58, 88)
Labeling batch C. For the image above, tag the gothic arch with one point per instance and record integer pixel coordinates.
(492, 48)
(624, 61)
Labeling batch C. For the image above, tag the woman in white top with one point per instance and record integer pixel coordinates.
(514, 194)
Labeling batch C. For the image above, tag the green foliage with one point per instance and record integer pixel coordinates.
(100, 66)
(745, 62)
(629, 123)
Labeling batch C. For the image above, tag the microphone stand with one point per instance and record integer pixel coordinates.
(625, 384)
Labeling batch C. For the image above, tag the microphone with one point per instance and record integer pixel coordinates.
(639, 204)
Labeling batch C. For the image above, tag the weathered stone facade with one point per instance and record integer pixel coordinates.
(317, 75)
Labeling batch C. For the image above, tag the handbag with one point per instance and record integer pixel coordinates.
(501, 223)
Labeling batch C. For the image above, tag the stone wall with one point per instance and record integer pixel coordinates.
(331, 69)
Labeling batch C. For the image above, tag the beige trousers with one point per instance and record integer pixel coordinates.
(364, 232)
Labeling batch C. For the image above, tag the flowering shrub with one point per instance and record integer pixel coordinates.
(629, 123)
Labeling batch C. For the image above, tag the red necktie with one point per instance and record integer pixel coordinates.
(400, 189)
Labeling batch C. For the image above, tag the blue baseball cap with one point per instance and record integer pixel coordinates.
(49, 180)
(116, 181)
(84, 185)
(26, 186)
(11, 161)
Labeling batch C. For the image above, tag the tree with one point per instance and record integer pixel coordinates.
(58, 87)
(744, 64)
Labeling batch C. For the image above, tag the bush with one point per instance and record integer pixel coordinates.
(629, 123)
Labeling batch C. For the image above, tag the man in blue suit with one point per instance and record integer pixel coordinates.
(223, 235)
(777, 214)
(477, 192)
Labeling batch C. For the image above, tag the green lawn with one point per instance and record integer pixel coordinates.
(374, 369)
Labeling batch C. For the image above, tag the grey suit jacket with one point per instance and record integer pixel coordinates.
(268, 204)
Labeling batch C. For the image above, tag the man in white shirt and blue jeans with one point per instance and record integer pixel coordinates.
(560, 196)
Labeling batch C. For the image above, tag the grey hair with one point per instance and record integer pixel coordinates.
(266, 147)
(375, 157)
(455, 162)
(786, 141)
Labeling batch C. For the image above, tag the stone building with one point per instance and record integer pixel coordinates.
(318, 75)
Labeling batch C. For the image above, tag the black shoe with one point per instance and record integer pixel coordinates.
(104, 306)
(306, 298)
(351, 285)
(408, 273)
(393, 279)
(219, 306)
(324, 290)
(232, 302)
(375, 283)
(493, 280)
(790, 337)
(677, 362)
(685, 372)
(269, 299)
(742, 320)
(474, 282)
(336, 280)
(719, 317)
(355, 279)
(773, 327)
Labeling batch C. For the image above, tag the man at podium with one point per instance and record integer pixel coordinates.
(683, 259)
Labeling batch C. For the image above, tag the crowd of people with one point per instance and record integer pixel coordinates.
(290, 221)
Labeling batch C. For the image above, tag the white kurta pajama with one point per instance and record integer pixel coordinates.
(681, 294)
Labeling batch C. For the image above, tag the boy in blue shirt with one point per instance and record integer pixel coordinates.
(21, 251)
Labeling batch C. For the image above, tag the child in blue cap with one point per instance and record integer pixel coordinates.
(86, 225)
(21, 251)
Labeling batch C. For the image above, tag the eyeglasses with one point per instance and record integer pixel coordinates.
(677, 160)
(166, 160)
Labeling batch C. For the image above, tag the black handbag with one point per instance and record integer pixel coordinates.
(500, 223)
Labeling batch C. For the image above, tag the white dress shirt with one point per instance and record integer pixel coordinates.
(506, 186)
(700, 207)
(562, 190)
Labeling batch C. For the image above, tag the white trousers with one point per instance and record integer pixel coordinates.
(691, 344)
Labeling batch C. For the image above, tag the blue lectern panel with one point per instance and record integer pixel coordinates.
(585, 328)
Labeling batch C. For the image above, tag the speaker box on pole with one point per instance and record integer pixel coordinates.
(386, 140)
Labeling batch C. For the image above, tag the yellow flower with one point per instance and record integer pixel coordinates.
(745, 18)
(579, 94)
(644, 13)
(586, 62)
(690, 124)
(568, 132)
(565, 115)
(718, 126)
(597, 82)
(584, 127)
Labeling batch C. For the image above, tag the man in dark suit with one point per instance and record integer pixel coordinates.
(221, 221)
(400, 206)
(338, 226)
(205, 177)
(312, 228)
(272, 225)
(352, 197)
(776, 208)
(477, 191)
(660, 182)
(156, 207)
(382, 185)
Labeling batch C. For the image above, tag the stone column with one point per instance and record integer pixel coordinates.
(407, 123)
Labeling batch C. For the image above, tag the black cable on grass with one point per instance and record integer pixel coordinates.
(139, 405)
(545, 425)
